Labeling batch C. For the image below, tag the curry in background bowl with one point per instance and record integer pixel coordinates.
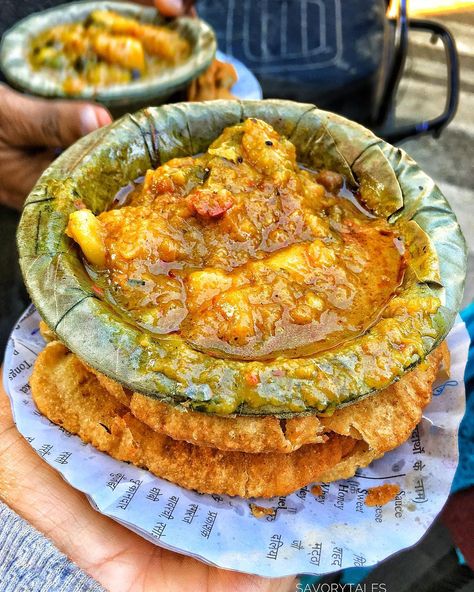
(243, 257)
(105, 49)
(120, 54)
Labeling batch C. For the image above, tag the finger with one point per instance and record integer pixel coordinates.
(189, 7)
(118, 558)
(170, 7)
(11, 199)
(26, 121)
(19, 172)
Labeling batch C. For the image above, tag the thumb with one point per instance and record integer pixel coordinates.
(170, 7)
(26, 121)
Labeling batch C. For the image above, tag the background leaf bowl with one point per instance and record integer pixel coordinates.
(119, 98)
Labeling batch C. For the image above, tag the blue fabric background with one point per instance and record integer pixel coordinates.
(464, 476)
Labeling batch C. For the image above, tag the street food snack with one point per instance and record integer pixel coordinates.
(122, 54)
(72, 396)
(243, 254)
(215, 83)
(105, 48)
(252, 288)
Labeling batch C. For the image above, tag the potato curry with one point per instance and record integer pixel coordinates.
(243, 253)
(106, 49)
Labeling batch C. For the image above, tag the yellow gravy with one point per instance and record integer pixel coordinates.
(244, 254)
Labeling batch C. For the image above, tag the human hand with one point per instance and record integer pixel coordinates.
(31, 131)
(175, 7)
(172, 8)
(119, 559)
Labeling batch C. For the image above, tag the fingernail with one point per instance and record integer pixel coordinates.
(103, 116)
(89, 120)
(171, 7)
(177, 5)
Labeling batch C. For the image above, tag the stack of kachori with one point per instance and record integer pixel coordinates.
(242, 297)
(245, 456)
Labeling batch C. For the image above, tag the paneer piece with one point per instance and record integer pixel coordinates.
(88, 232)
(121, 50)
(269, 152)
(203, 286)
(163, 42)
(115, 22)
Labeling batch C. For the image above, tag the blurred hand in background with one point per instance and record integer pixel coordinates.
(175, 7)
(31, 132)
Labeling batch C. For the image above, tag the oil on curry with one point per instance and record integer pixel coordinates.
(247, 256)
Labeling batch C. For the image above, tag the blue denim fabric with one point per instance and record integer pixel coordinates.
(464, 476)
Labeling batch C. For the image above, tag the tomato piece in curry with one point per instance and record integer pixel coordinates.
(244, 253)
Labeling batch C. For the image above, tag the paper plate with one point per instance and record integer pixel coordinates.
(309, 534)
(247, 86)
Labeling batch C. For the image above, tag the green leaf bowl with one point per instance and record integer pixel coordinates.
(119, 98)
(389, 183)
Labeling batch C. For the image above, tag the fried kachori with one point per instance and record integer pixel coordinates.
(253, 301)
(103, 414)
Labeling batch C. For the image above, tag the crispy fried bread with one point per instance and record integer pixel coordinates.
(103, 414)
(70, 395)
